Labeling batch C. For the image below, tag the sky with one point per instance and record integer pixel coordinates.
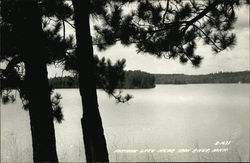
(231, 60)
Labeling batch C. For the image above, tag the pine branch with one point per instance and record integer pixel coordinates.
(72, 25)
(202, 14)
(63, 22)
(168, 25)
(13, 62)
(207, 37)
(141, 25)
(166, 11)
(189, 58)
(121, 99)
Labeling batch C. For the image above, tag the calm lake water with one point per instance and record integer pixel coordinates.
(153, 126)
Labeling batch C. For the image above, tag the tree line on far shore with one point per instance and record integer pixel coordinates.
(220, 77)
(139, 79)
(132, 80)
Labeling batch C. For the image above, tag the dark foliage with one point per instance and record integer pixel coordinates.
(168, 29)
(138, 79)
(13, 76)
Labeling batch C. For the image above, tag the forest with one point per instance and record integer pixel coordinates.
(132, 80)
(138, 79)
(220, 77)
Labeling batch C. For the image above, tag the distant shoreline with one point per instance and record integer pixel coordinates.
(165, 84)
(221, 77)
(142, 80)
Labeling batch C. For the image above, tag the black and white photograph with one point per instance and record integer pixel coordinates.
(124, 81)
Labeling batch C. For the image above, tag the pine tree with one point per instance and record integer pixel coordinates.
(94, 140)
(26, 48)
(23, 19)
(55, 48)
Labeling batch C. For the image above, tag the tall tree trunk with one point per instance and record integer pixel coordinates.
(94, 140)
(36, 82)
(40, 111)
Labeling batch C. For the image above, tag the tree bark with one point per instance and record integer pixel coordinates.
(94, 140)
(31, 42)
(40, 111)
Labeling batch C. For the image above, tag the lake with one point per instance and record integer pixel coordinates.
(195, 122)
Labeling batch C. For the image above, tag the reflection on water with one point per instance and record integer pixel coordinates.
(154, 121)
